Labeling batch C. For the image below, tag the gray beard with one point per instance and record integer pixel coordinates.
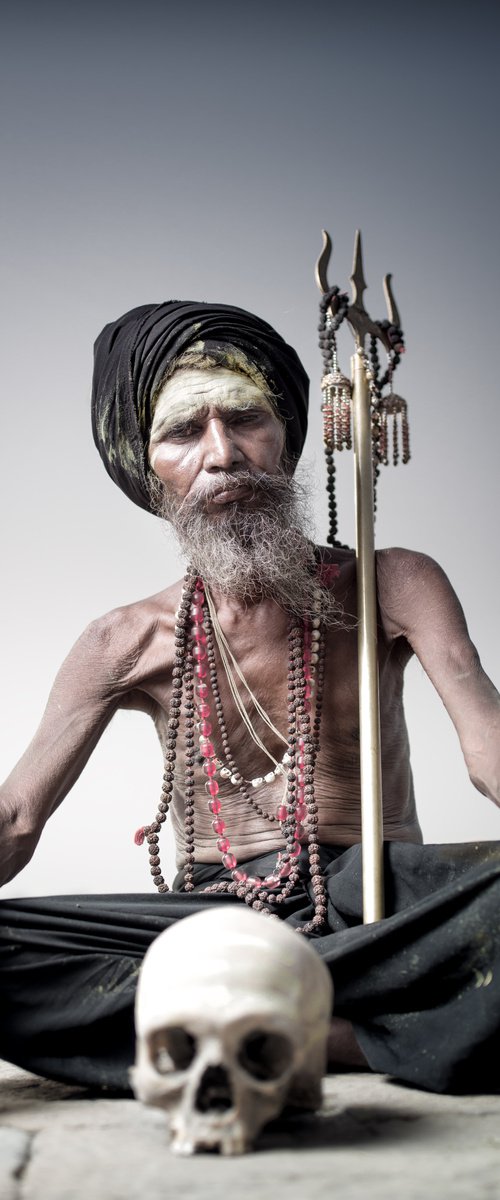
(250, 550)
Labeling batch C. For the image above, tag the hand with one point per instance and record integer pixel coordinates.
(18, 840)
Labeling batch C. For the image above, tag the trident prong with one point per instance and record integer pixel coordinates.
(358, 280)
(359, 320)
(321, 273)
(392, 307)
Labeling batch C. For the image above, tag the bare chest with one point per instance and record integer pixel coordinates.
(247, 714)
(246, 718)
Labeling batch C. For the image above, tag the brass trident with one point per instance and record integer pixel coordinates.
(363, 394)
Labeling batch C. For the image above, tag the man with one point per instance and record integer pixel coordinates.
(249, 671)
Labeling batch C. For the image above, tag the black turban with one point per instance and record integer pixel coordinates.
(131, 358)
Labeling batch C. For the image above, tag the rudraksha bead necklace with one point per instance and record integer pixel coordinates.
(194, 685)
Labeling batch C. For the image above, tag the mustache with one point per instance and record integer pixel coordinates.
(259, 483)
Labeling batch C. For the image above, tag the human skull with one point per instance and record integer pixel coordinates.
(232, 1017)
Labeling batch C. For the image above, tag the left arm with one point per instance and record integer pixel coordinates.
(417, 602)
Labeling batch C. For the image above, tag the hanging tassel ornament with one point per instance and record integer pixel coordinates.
(393, 408)
(390, 426)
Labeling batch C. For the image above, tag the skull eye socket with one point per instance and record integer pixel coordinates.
(264, 1055)
(172, 1049)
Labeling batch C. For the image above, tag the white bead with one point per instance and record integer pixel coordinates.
(314, 659)
(235, 780)
(269, 778)
(257, 782)
(225, 772)
(316, 622)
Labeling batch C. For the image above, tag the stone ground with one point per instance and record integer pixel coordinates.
(372, 1139)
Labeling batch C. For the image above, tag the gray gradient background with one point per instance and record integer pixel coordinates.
(196, 152)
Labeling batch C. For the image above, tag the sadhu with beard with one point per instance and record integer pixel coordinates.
(248, 668)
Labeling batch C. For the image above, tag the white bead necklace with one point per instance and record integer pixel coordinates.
(231, 667)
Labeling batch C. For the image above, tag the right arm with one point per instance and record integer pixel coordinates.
(90, 686)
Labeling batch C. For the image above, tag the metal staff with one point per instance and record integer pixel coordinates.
(364, 397)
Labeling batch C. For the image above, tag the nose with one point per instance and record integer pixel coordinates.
(220, 451)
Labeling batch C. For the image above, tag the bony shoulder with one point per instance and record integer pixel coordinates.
(410, 584)
(130, 626)
(407, 566)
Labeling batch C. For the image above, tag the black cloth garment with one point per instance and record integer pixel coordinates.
(422, 987)
(133, 353)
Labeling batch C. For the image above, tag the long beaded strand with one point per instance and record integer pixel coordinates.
(194, 662)
(243, 884)
(300, 799)
(181, 668)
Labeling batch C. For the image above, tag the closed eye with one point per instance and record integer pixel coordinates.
(178, 432)
(184, 430)
(246, 415)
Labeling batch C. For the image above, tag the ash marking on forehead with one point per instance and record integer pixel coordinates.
(191, 393)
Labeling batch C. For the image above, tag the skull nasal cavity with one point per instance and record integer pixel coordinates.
(214, 1091)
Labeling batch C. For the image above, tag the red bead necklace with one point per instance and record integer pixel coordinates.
(196, 690)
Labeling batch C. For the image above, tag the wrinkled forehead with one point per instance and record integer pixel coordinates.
(191, 392)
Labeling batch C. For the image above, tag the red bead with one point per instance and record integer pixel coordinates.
(210, 767)
(229, 862)
(272, 881)
(203, 710)
(284, 869)
(223, 845)
(298, 831)
(212, 787)
(207, 749)
(219, 826)
(197, 613)
(240, 876)
(198, 597)
(281, 812)
(200, 671)
(205, 728)
(199, 652)
(301, 812)
(202, 690)
(214, 806)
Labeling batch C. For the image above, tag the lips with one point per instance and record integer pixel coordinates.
(230, 494)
